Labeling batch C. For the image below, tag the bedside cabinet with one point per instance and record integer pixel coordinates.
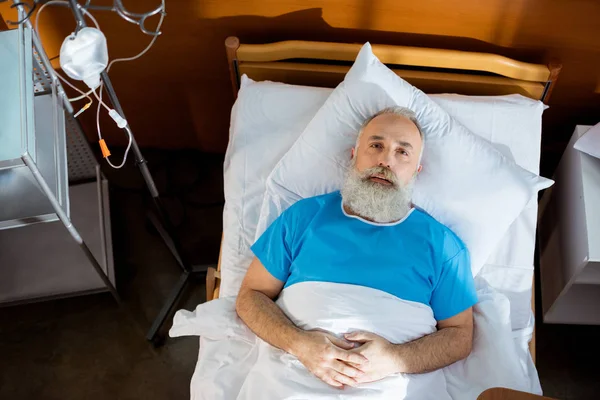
(569, 227)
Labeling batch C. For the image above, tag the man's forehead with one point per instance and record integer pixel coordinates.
(390, 126)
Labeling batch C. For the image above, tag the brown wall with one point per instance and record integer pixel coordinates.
(178, 95)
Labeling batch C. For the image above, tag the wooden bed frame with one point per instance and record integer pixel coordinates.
(431, 70)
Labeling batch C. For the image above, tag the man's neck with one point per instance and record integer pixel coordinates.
(349, 211)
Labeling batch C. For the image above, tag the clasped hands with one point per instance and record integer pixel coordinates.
(361, 358)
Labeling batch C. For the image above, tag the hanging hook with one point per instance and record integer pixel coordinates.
(134, 18)
(143, 21)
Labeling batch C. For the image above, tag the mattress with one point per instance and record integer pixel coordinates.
(267, 119)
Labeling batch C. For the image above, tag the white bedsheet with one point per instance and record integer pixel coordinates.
(235, 364)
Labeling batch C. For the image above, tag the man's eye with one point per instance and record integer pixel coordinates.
(376, 145)
(403, 152)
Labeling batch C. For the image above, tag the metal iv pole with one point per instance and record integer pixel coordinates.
(161, 221)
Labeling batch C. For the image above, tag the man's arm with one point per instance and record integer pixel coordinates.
(452, 342)
(320, 352)
(256, 308)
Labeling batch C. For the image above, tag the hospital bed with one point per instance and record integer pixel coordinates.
(315, 66)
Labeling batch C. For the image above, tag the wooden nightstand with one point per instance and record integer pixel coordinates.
(569, 227)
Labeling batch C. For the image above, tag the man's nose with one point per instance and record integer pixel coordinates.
(386, 159)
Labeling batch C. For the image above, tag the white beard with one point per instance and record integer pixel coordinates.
(374, 201)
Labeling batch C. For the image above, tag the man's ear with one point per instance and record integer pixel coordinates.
(352, 153)
(419, 169)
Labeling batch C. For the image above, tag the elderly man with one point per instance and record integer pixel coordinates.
(368, 234)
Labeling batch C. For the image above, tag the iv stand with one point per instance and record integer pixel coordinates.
(161, 222)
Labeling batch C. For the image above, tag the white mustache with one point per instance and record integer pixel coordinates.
(384, 172)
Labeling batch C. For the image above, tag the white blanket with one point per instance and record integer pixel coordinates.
(234, 364)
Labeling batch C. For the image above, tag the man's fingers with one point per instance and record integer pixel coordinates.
(357, 366)
(340, 342)
(360, 336)
(365, 378)
(328, 379)
(346, 369)
(343, 379)
(350, 357)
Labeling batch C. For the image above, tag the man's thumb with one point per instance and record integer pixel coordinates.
(341, 343)
(358, 336)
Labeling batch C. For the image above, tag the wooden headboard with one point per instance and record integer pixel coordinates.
(325, 64)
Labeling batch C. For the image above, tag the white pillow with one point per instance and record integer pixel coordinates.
(466, 184)
(266, 120)
(512, 123)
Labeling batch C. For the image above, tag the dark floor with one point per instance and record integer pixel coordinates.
(86, 348)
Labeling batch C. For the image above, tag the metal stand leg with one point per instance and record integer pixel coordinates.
(169, 306)
(69, 225)
(164, 234)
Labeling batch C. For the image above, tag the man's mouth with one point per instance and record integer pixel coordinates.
(381, 180)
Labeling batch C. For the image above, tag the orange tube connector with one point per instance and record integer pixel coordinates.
(104, 148)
